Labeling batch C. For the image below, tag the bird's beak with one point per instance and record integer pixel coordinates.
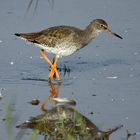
(108, 30)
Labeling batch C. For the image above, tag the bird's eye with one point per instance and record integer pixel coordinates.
(101, 25)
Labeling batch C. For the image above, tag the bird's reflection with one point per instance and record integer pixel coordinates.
(54, 92)
(63, 122)
(66, 123)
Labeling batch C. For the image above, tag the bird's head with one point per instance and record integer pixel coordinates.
(101, 26)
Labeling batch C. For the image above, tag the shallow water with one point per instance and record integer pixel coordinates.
(108, 67)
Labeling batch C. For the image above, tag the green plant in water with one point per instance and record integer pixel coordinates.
(51, 3)
(9, 121)
(34, 135)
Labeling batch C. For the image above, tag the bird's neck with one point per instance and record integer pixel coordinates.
(89, 33)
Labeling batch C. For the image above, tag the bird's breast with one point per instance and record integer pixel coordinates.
(62, 49)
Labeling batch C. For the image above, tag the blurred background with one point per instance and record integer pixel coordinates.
(104, 76)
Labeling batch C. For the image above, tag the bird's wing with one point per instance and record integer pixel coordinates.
(51, 36)
(55, 35)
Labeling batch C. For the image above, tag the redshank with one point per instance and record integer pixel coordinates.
(65, 40)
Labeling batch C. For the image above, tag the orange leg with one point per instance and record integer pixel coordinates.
(45, 57)
(53, 66)
(54, 70)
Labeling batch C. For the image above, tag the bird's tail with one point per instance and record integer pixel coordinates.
(28, 36)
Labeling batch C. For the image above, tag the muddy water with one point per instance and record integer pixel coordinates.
(104, 76)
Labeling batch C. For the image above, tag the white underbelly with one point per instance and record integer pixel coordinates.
(58, 50)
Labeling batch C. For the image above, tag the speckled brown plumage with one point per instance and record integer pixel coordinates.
(53, 36)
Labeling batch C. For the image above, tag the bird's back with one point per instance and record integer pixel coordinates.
(52, 35)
